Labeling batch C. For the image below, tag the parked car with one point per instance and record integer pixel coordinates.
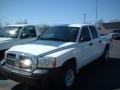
(57, 54)
(16, 34)
(116, 34)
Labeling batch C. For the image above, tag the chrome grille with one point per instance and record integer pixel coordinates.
(11, 56)
(11, 62)
(11, 59)
(14, 61)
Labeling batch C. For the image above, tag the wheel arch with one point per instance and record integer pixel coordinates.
(71, 61)
(107, 46)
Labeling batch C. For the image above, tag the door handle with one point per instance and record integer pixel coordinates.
(90, 44)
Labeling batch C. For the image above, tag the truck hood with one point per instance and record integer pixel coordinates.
(4, 39)
(41, 47)
(5, 43)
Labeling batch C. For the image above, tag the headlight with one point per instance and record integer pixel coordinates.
(26, 64)
(47, 62)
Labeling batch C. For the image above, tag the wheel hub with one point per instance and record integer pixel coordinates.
(69, 78)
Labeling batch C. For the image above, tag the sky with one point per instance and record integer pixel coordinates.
(58, 11)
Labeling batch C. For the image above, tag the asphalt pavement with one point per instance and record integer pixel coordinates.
(95, 76)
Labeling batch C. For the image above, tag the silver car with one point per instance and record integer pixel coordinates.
(116, 34)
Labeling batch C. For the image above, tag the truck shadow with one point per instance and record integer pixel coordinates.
(3, 77)
(95, 76)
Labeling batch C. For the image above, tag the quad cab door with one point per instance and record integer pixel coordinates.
(85, 47)
(97, 42)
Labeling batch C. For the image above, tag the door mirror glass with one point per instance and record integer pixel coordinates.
(24, 35)
(85, 38)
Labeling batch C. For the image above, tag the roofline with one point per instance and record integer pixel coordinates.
(73, 25)
(18, 25)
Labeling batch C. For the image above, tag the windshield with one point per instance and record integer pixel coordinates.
(60, 33)
(10, 31)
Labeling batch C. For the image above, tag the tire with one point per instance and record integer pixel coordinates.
(105, 55)
(68, 76)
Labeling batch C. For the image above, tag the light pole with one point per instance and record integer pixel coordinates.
(96, 17)
(84, 15)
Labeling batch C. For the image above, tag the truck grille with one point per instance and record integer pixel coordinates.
(14, 61)
(11, 59)
(11, 62)
(11, 56)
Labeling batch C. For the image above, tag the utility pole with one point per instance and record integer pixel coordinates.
(84, 15)
(96, 17)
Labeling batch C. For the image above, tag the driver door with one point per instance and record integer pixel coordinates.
(85, 47)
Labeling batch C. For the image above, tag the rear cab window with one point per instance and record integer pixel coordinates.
(93, 31)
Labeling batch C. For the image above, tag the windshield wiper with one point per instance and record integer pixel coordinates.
(54, 39)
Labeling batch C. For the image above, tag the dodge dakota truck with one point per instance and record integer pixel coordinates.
(57, 54)
(16, 34)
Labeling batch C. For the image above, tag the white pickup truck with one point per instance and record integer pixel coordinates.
(58, 54)
(16, 34)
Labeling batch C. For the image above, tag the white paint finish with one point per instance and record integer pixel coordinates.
(4, 39)
(63, 51)
(39, 47)
(77, 25)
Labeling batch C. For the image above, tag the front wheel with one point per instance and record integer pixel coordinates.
(68, 77)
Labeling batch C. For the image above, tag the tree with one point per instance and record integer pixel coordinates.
(7, 23)
(0, 23)
(44, 27)
(115, 20)
(99, 23)
(25, 21)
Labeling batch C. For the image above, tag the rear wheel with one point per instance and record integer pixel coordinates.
(105, 55)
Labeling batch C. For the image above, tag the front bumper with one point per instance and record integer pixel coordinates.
(39, 78)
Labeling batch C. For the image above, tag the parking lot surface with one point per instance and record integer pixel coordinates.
(95, 76)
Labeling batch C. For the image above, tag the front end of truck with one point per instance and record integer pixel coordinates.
(26, 68)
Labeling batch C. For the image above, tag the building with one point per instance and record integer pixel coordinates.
(107, 28)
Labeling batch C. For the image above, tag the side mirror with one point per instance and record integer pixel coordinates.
(85, 38)
(23, 35)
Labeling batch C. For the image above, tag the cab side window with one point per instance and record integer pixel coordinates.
(28, 32)
(93, 32)
(85, 35)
